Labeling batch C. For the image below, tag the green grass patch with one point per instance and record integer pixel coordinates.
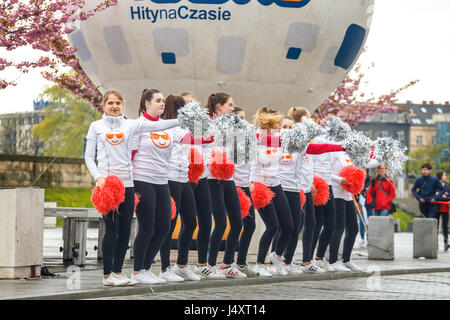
(404, 217)
(71, 197)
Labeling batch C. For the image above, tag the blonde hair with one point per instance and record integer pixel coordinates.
(109, 93)
(297, 113)
(266, 118)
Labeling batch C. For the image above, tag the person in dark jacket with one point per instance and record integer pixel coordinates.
(383, 190)
(426, 190)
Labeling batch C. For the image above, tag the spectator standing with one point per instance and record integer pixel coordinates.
(426, 190)
(381, 192)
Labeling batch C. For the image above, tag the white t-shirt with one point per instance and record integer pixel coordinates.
(154, 150)
(267, 167)
(339, 160)
(112, 137)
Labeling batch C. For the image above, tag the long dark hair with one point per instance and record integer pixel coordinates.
(172, 105)
(147, 95)
(215, 99)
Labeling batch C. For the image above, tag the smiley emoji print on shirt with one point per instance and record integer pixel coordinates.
(115, 137)
(161, 139)
(286, 158)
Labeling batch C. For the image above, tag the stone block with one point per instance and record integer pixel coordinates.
(21, 232)
(425, 238)
(380, 244)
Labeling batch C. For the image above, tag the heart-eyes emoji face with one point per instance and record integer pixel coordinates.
(286, 158)
(161, 139)
(115, 137)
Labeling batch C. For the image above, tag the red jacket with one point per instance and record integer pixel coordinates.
(381, 201)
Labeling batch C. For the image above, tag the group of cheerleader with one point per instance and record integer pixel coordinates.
(175, 173)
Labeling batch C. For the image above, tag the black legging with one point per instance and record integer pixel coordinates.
(204, 218)
(185, 202)
(153, 214)
(326, 217)
(276, 213)
(293, 199)
(345, 220)
(247, 233)
(308, 231)
(225, 201)
(117, 235)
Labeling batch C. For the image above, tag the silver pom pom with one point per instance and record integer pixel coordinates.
(299, 136)
(237, 136)
(392, 154)
(246, 144)
(357, 146)
(195, 119)
(337, 130)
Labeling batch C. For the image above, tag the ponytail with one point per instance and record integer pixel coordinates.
(215, 99)
(266, 118)
(172, 105)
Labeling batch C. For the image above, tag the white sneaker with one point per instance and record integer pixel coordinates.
(170, 276)
(207, 273)
(186, 273)
(261, 270)
(277, 264)
(154, 278)
(272, 270)
(232, 272)
(353, 267)
(292, 269)
(216, 271)
(312, 268)
(141, 278)
(130, 281)
(324, 264)
(338, 266)
(115, 280)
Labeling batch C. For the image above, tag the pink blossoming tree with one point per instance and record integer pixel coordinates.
(44, 25)
(351, 105)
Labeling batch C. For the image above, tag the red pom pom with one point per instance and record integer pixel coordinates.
(110, 196)
(261, 195)
(323, 191)
(302, 198)
(355, 177)
(221, 168)
(196, 165)
(244, 201)
(137, 198)
(173, 212)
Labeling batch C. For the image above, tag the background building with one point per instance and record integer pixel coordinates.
(442, 122)
(413, 124)
(16, 131)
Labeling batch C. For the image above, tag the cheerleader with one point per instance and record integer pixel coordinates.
(224, 200)
(109, 140)
(325, 214)
(242, 180)
(277, 212)
(152, 152)
(296, 173)
(346, 218)
(181, 191)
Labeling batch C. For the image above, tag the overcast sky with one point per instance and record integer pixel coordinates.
(408, 39)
